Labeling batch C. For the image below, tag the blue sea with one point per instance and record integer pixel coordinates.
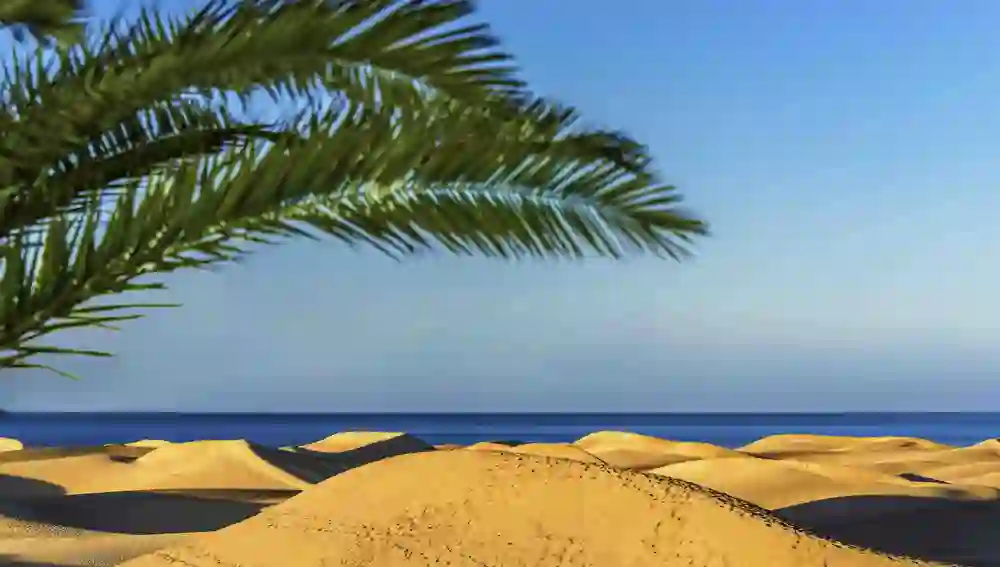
(726, 429)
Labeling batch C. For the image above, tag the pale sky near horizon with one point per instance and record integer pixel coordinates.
(847, 154)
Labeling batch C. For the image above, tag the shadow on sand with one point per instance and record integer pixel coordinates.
(16, 487)
(962, 532)
(182, 510)
(317, 466)
(15, 561)
(138, 512)
(914, 477)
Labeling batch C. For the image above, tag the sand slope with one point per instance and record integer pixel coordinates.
(474, 508)
(913, 458)
(794, 443)
(55, 471)
(80, 551)
(198, 465)
(150, 443)
(354, 440)
(236, 465)
(392, 499)
(554, 450)
(777, 484)
(102, 505)
(489, 446)
(642, 452)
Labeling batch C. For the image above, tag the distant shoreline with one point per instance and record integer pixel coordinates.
(504, 413)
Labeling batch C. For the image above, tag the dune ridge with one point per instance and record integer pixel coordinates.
(554, 450)
(635, 451)
(353, 440)
(391, 499)
(798, 442)
(502, 508)
(777, 484)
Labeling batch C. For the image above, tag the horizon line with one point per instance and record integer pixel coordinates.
(492, 412)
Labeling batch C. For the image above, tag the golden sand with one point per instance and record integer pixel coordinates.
(352, 440)
(608, 499)
(641, 452)
(559, 450)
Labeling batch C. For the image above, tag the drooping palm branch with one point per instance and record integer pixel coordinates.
(412, 132)
(45, 20)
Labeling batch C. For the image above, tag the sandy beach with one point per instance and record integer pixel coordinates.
(609, 499)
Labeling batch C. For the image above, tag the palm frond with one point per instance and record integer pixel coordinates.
(44, 20)
(119, 163)
(495, 222)
(372, 179)
(142, 95)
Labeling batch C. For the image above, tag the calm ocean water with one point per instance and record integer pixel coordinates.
(288, 429)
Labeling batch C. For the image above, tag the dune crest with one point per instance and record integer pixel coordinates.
(67, 470)
(992, 444)
(151, 443)
(470, 508)
(980, 472)
(776, 484)
(635, 451)
(10, 444)
(230, 464)
(555, 450)
(488, 446)
(197, 465)
(351, 440)
(919, 462)
(806, 443)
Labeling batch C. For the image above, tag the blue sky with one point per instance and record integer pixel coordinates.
(846, 153)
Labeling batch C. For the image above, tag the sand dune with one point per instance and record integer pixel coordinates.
(489, 446)
(55, 471)
(102, 505)
(352, 440)
(978, 472)
(372, 498)
(990, 478)
(992, 444)
(954, 531)
(10, 444)
(151, 443)
(496, 508)
(243, 466)
(195, 465)
(642, 452)
(777, 484)
(233, 465)
(89, 551)
(556, 450)
(922, 463)
(801, 443)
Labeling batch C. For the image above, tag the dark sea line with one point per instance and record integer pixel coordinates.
(727, 429)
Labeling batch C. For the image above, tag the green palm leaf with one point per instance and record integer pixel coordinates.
(45, 20)
(121, 165)
(106, 101)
